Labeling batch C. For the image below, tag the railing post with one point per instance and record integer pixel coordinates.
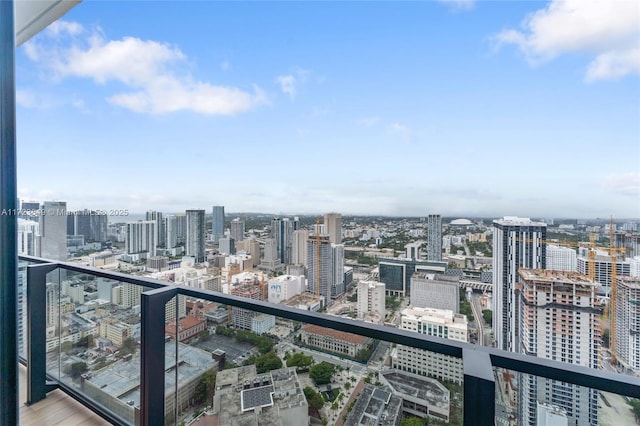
(8, 222)
(152, 351)
(37, 385)
(479, 389)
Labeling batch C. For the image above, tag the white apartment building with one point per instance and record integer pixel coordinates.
(285, 287)
(561, 258)
(371, 300)
(560, 320)
(603, 267)
(141, 237)
(432, 322)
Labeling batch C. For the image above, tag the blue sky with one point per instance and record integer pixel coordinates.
(406, 108)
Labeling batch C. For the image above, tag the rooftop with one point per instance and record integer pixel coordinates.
(375, 406)
(549, 276)
(423, 388)
(340, 335)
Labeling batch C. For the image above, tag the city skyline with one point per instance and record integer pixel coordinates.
(467, 108)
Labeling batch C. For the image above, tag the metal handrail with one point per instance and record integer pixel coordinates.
(555, 370)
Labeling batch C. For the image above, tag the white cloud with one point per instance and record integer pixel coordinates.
(608, 30)
(403, 131)
(290, 84)
(287, 84)
(624, 183)
(58, 28)
(146, 66)
(367, 121)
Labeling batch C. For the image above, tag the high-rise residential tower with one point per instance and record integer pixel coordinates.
(299, 247)
(517, 243)
(160, 229)
(141, 238)
(559, 320)
(237, 229)
(434, 237)
(53, 231)
(333, 227)
(282, 232)
(561, 258)
(217, 223)
(195, 234)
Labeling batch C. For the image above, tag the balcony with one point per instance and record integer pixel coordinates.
(141, 375)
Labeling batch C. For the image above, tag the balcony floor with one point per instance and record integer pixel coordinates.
(56, 409)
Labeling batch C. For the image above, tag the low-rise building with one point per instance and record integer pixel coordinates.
(246, 398)
(432, 322)
(421, 396)
(188, 327)
(117, 387)
(376, 406)
(328, 339)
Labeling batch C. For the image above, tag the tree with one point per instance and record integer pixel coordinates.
(203, 334)
(314, 399)
(205, 387)
(76, 369)
(321, 373)
(267, 362)
(66, 347)
(488, 316)
(411, 421)
(128, 346)
(635, 408)
(299, 360)
(334, 406)
(347, 385)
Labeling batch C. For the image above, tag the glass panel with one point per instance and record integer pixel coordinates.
(98, 340)
(283, 371)
(531, 400)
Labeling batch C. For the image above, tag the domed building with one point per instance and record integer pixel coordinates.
(461, 222)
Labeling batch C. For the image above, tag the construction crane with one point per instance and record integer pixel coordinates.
(609, 314)
(591, 254)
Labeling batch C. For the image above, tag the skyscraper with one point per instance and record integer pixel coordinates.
(27, 237)
(320, 266)
(195, 234)
(325, 263)
(434, 237)
(53, 231)
(299, 247)
(237, 229)
(160, 230)
(282, 231)
(333, 227)
(141, 238)
(217, 231)
(559, 320)
(517, 243)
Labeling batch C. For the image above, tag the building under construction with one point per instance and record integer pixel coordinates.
(560, 320)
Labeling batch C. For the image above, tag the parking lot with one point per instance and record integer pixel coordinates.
(234, 350)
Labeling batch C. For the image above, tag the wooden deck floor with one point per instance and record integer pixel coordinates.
(56, 409)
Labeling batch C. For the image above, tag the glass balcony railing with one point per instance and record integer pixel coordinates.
(144, 352)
